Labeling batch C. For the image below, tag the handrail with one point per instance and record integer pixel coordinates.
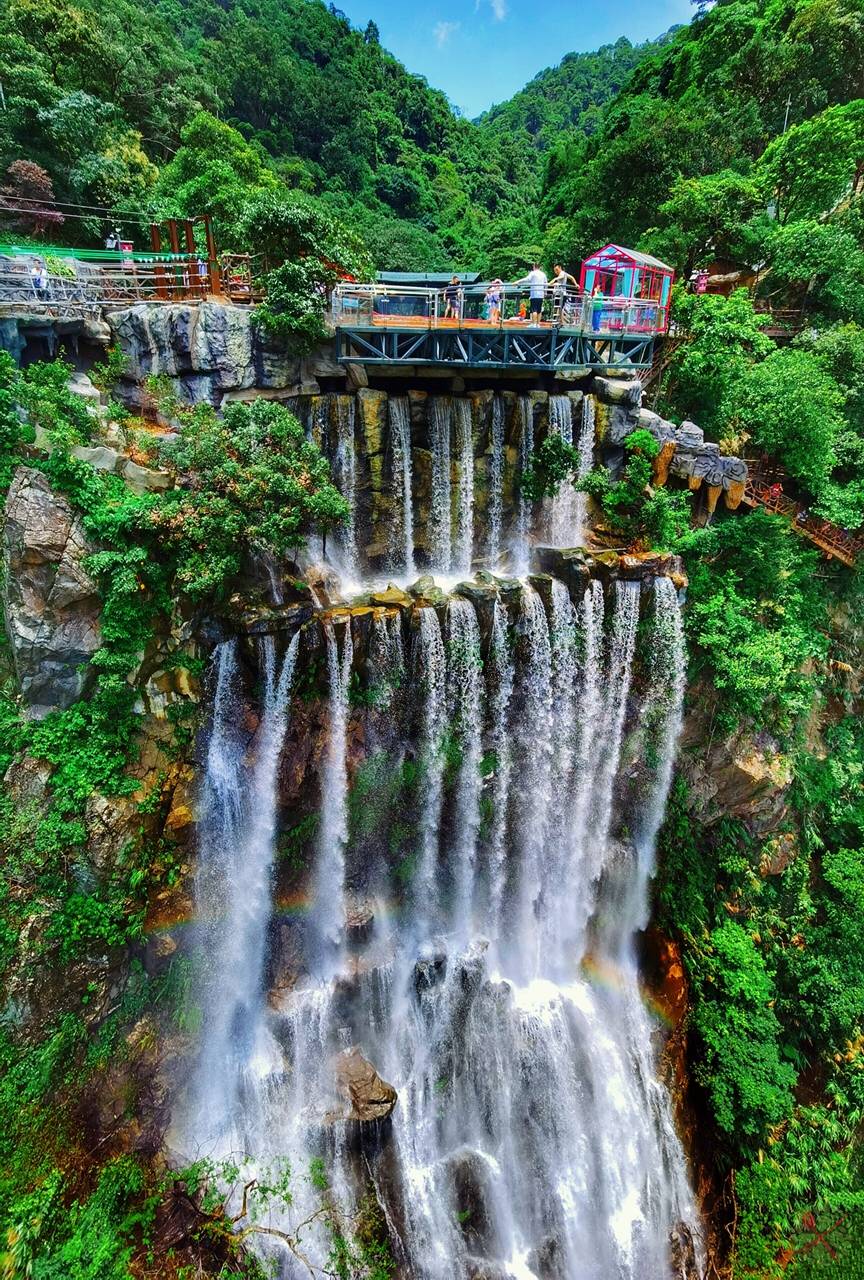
(95, 286)
(761, 491)
(416, 306)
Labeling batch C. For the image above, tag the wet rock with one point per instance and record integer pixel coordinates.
(392, 598)
(267, 619)
(323, 584)
(682, 1253)
(637, 566)
(429, 971)
(112, 824)
(480, 1269)
(547, 1260)
(50, 602)
(510, 590)
(372, 411)
(743, 775)
(473, 1193)
(603, 565)
(619, 391)
(369, 1097)
(359, 922)
(567, 564)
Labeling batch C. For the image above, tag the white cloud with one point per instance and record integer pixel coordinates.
(442, 31)
(499, 9)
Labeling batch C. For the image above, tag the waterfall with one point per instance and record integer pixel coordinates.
(565, 523)
(239, 822)
(430, 683)
(346, 480)
(401, 542)
(660, 724)
(464, 708)
(439, 535)
(585, 453)
(465, 509)
(329, 882)
(532, 1137)
(500, 693)
(622, 645)
(526, 451)
(535, 747)
(496, 480)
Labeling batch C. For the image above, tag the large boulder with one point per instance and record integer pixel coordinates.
(51, 604)
(369, 1098)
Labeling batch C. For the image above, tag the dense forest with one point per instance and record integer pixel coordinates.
(735, 143)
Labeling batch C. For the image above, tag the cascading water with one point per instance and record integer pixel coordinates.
(465, 508)
(401, 542)
(345, 470)
(531, 1137)
(234, 889)
(328, 908)
(496, 480)
(464, 709)
(439, 534)
(430, 680)
(500, 692)
(526, 450)
(563, 509)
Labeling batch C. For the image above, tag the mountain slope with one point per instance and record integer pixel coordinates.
(570, 95)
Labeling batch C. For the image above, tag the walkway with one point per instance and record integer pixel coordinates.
(834, 542)
(85, 284)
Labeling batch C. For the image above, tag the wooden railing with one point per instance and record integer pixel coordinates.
(765, 489)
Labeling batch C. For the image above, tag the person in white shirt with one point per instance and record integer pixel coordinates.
(536, 281)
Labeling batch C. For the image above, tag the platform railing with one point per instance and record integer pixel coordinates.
(91, 286)
(411, 306)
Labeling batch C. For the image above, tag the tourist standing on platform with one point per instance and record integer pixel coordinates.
(597, 307)
(537, 281)
(493, 301)
(560, 280)
(452, 297)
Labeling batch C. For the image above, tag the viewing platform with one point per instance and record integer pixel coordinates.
(612, 319)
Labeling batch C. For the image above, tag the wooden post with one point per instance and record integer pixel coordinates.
(161, 284)
(212, 259)
(195, 282)
(177, 271)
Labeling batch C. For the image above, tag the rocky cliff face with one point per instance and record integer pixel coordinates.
(209, 352)
(50, 602)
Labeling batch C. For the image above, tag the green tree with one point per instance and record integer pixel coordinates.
(791, 407)
(254, 481)
(213, 172)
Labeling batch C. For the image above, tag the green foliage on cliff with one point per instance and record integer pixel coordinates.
(251, 481)
(755, 618)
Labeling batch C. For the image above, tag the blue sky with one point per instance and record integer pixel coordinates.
(482, 51)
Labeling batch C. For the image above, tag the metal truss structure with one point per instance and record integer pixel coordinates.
(548, 349)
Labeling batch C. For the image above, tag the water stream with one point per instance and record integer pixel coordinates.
(463, 550)
(401, 542)
(496, 480)
(439, 535)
